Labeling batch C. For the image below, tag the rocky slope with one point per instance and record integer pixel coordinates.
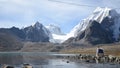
(93, 34)
(13, 38)
(9, 41)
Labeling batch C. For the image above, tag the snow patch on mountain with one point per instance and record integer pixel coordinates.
(57, 35)
(58, 38)
(100, 13)
(54, 29)
(78, 28)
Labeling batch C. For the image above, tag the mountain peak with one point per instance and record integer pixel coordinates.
(37, 33)
(37, 25)
(99, 9)
(54, 29)
(100, 13)
(37, 22)
(108, 18)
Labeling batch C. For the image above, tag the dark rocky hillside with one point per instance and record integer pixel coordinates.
(9, 42)
(93, 34)
(12, 38)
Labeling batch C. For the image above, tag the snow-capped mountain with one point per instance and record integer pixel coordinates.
(57, 35)
(108, 22)
(54, 29)
(37, 33)
(102, 26)
(39, 26)
(108, 18)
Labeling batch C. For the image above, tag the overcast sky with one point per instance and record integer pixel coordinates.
(21, 13)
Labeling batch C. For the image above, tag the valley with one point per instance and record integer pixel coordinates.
(101, 28)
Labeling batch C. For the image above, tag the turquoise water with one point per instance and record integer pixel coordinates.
(46, 60)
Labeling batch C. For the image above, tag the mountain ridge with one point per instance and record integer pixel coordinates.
(107, 18)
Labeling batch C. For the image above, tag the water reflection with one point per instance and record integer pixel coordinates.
(46, 60)
(26, 57)
(11, 58)
(21, 58)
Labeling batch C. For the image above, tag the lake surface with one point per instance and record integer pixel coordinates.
(46, 60)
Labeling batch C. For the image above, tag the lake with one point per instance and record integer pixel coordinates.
(46, 60)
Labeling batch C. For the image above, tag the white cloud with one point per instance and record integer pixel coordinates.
(29, 11)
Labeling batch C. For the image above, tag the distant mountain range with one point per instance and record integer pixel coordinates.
(35, 33)
(103, 26)
(13, 38)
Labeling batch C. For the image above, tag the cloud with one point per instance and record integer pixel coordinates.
(26, 12)
(111, 3)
